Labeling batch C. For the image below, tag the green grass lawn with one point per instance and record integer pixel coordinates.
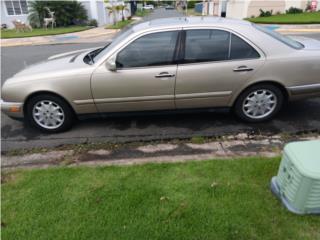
(11, 33)
(301, 18)
(120, 24)
(227, 199)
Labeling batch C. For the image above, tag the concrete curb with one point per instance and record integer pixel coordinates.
(240, 146)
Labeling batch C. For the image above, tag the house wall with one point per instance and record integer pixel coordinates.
(101, 13)
(7, 19)
(255, 6)
(237, 8)
(297, 4)
(246, 8)
(87, 6)
(96, 10)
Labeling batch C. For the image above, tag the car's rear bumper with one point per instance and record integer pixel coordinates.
(304, 91)
(12, 109)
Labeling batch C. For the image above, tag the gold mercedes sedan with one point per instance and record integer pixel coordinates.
(169, 64)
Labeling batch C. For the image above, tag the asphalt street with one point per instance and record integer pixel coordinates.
(296, 117)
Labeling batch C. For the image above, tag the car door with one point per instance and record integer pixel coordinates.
(214, 64)
(144, 78)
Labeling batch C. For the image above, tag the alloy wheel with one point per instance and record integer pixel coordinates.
(259, 104)
(48, 114)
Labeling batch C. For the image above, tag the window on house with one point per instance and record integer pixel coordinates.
(16, 7)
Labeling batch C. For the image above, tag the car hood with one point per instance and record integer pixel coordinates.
(309, 43)
(54, 64)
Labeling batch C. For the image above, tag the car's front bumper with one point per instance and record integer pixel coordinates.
(12, 109)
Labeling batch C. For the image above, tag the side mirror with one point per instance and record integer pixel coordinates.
(111, 64)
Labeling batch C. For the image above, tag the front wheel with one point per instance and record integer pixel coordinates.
(259, 103)
(49, 113)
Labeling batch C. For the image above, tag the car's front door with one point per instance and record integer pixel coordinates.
(144, 78)
(215, 63)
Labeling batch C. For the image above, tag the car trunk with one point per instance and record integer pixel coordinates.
(309, 43)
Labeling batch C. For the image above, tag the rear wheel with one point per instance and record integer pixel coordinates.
(259, 103)
(49, 113)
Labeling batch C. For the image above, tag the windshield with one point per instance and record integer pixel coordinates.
(117, 39)
(284, 39)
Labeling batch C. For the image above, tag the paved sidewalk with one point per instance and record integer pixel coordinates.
(99, 34)
(241, 145)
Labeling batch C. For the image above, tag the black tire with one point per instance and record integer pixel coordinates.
(238, 106)
(68, 112)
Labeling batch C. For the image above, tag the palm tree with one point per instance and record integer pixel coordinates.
(112, 9)
(37, 12)
(122, 8)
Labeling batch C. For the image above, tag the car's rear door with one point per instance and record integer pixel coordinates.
(214, 64)
(144, 78)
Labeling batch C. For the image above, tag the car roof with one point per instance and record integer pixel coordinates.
(188, 21)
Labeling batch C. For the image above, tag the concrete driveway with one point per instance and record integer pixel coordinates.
(298, 117)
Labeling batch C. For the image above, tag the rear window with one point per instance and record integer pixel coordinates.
(284, 39)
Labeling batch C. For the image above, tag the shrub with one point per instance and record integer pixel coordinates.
(93, 22)
(192, 3)
(265, 13)
(308, 7)
(65, 12)
(294, 10)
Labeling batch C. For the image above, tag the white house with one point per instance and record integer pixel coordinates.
(18, 10)
(247, 8)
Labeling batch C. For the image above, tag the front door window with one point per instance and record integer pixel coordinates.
(155, 49)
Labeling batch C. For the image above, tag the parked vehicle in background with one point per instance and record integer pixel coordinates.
(169, 7)
(148, 7)
(169, 64)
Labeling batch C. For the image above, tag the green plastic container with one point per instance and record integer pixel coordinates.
(298, 181)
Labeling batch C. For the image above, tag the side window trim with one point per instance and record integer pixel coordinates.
(175, 54)
(183, 49)
(230, 42)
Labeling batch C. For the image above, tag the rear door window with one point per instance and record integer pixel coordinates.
(206, 45)
(240, 49)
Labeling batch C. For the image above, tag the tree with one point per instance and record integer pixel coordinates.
(65, 12)
(37, 12)
(122, 8)
(68, 12)
(112, 11)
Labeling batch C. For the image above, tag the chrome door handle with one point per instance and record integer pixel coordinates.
(164, 75)
(242, 69)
